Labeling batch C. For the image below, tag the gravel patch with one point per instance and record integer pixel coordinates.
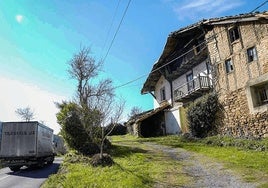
(204, 171)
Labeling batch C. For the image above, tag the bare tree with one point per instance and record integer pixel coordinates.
(111, 112)
(134, 112)
(96, 98)
(25, 113)
(84, 68)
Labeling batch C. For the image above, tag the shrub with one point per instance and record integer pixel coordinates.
(201, 115)
(105, 160)
(89, 148)
(117, 129)
(73, 131)
(74, 157)
(188, 137)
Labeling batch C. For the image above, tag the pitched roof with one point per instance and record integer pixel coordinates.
(153, 112)
(174, 38)
(247, 17)
(148, 114)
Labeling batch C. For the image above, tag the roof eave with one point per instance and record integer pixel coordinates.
(173, 36)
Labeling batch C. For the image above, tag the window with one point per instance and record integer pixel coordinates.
(234, 34)
(229, 66)
(252, 54)
(190, 81)
(163, 94)
(257, 94)
(262, 94)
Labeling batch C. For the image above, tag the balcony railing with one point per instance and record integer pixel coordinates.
(193, 88)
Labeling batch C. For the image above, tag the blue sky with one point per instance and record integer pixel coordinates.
(38, 38)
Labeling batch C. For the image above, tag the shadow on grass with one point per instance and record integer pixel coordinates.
(145, 179)
(125, 151)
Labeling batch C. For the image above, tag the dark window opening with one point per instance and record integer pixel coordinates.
(263, 93)
(163, 94)
(234, 34)
(259, 94)
(229, 66)
(190, 82)
(252, 54)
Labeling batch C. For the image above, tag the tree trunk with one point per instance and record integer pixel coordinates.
(102, 143)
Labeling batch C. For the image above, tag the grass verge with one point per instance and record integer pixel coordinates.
(139, 166)
(136, 166)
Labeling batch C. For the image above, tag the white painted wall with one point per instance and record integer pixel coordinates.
(200, 69)
(162, 82)
(172, 121)
(172, 116)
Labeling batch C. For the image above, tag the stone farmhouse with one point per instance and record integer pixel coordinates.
(227, 55)
(238, 49)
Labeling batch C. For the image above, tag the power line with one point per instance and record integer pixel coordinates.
(127, 83)
(189, 51)
(116, 31)
(111, 25)
(157, 69)
(131, 85)
(259, 6)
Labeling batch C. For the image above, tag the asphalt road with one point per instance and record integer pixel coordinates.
(27, 177)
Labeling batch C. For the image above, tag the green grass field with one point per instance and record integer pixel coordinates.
(138, 166)
(135, 166)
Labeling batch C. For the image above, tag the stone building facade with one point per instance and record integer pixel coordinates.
(238, 50)
(228, 55)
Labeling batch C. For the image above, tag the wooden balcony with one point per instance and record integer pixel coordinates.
(193, 89)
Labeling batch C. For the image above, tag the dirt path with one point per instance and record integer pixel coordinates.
(204, 171)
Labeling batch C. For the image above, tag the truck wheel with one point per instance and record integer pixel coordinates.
(50, 161)
(40, 164)
(15, 168)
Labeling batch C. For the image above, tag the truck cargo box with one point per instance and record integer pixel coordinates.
(59, 145)
(25, 139)
(0, 133)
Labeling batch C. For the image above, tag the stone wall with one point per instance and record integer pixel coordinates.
(265, 67)
(237, 119)
(136, 129)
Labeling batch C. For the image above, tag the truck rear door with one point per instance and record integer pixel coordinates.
(18, 139)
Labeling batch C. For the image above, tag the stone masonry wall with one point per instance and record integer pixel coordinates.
(239, 121)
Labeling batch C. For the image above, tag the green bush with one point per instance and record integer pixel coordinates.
(105, 160)
(201, 115)
(73, 131)
(75, 157)
(117, 129)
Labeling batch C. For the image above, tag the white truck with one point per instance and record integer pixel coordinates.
(59, 145)
(25, 144)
